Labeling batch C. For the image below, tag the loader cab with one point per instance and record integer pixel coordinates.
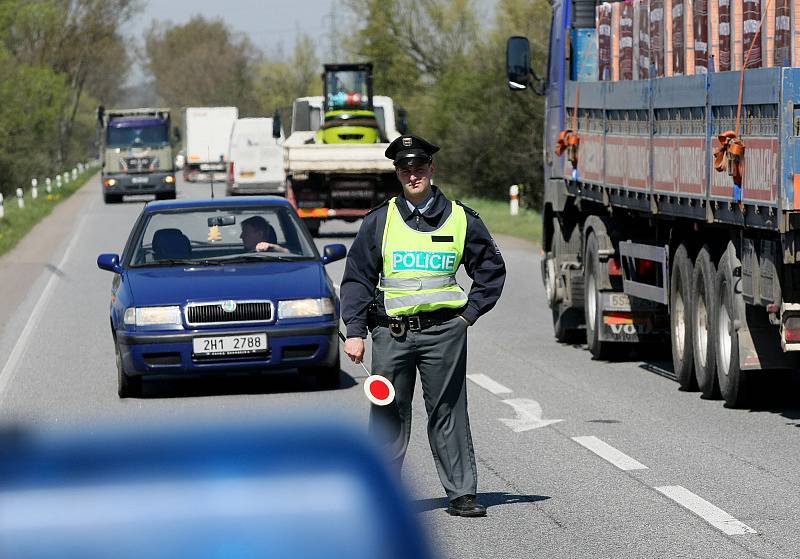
(349, 111)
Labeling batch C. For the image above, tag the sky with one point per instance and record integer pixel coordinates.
(270, 24)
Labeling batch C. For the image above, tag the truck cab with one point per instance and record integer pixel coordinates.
(136, 153)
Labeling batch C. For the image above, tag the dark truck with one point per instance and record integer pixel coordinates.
(136, 153)
(672, 185)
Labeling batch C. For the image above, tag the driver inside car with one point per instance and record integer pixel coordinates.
(259, 236)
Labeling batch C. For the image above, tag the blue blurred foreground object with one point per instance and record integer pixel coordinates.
(234, 492)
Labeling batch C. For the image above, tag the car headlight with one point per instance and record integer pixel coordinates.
(151, 316)
(300, 308)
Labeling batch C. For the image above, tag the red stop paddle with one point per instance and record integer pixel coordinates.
(378, 389)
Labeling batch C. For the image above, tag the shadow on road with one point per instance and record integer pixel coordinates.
(230, 385)
(487, 499)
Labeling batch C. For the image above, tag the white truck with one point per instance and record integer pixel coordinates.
(256, 158)
(338, 181)
(207, 131)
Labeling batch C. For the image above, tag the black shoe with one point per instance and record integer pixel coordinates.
(466, 506)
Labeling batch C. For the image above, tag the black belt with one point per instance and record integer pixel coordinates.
(415, 322)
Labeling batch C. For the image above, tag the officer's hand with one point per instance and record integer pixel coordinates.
(354, 348)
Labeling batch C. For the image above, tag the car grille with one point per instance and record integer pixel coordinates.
(215, 313)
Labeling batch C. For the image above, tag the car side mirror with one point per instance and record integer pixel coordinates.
(276, 126)
(109, 262)
(332, 253)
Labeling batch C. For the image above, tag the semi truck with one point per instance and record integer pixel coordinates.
(334, 159)
(208, 132)
(671, 203)
(136, 153)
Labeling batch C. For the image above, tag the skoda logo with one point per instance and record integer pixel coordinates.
(228, 306)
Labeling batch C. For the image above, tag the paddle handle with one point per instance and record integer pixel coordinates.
(341, 337)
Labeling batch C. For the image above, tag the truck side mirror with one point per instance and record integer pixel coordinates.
(518, 62)
(276, 126)
(402, 121)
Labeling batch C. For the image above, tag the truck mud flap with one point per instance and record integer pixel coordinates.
(630, 319)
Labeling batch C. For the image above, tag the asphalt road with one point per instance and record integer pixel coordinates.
(576, 458)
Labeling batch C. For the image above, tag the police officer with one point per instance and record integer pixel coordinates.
(399, 282)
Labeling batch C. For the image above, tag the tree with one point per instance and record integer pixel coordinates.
(280, 82)
(202, 63)
(434, 58)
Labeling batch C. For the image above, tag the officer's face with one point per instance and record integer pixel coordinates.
(416, 178)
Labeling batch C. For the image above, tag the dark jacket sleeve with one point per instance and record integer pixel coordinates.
(361, 273)
(484, 264)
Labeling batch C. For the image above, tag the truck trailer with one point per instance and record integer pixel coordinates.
(136, 153)
(671, 204)
(208, 133)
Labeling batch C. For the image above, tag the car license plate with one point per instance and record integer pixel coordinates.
(230, 345)
(139, 180)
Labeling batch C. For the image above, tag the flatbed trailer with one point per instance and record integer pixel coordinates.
(644, 240)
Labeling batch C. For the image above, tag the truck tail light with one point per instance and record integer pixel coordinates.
(791, 329)
(614, 269)
(231, 173)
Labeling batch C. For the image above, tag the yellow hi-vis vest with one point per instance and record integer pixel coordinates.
(419, 268)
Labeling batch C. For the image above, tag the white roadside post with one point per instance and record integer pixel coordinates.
(20, 199)
(2, 207)
(66, 177)
(34, 189)
(513, 191)
(47, 186)
(74, 173)
(58, 182)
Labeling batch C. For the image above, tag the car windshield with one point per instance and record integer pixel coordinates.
(221, 236)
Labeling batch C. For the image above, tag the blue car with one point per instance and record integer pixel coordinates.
(222, 286)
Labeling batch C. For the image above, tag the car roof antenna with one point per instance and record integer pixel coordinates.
(208, 148)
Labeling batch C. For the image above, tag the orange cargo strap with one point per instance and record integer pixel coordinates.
(569, 141)
(729, 156)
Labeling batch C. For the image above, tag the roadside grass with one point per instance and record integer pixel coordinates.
(497, 217)
(17, 221)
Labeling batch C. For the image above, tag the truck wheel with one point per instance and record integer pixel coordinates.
(732, 379)
(680, 301)
(592, 302)
(565, 316)
(705, 359)
(313, 226)
(127, 386)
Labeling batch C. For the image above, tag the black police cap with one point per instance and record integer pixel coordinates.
(407, 146)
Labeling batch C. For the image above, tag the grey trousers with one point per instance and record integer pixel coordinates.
(440, 355)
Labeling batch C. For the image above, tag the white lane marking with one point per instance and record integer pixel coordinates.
(9, 369)
(712, 514)
(609, 453)
(529, 415)
(491, 385)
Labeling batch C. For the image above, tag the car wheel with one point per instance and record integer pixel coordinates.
(326, 377)
(127, 386)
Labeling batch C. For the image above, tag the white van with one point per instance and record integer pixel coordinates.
(256, 158)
